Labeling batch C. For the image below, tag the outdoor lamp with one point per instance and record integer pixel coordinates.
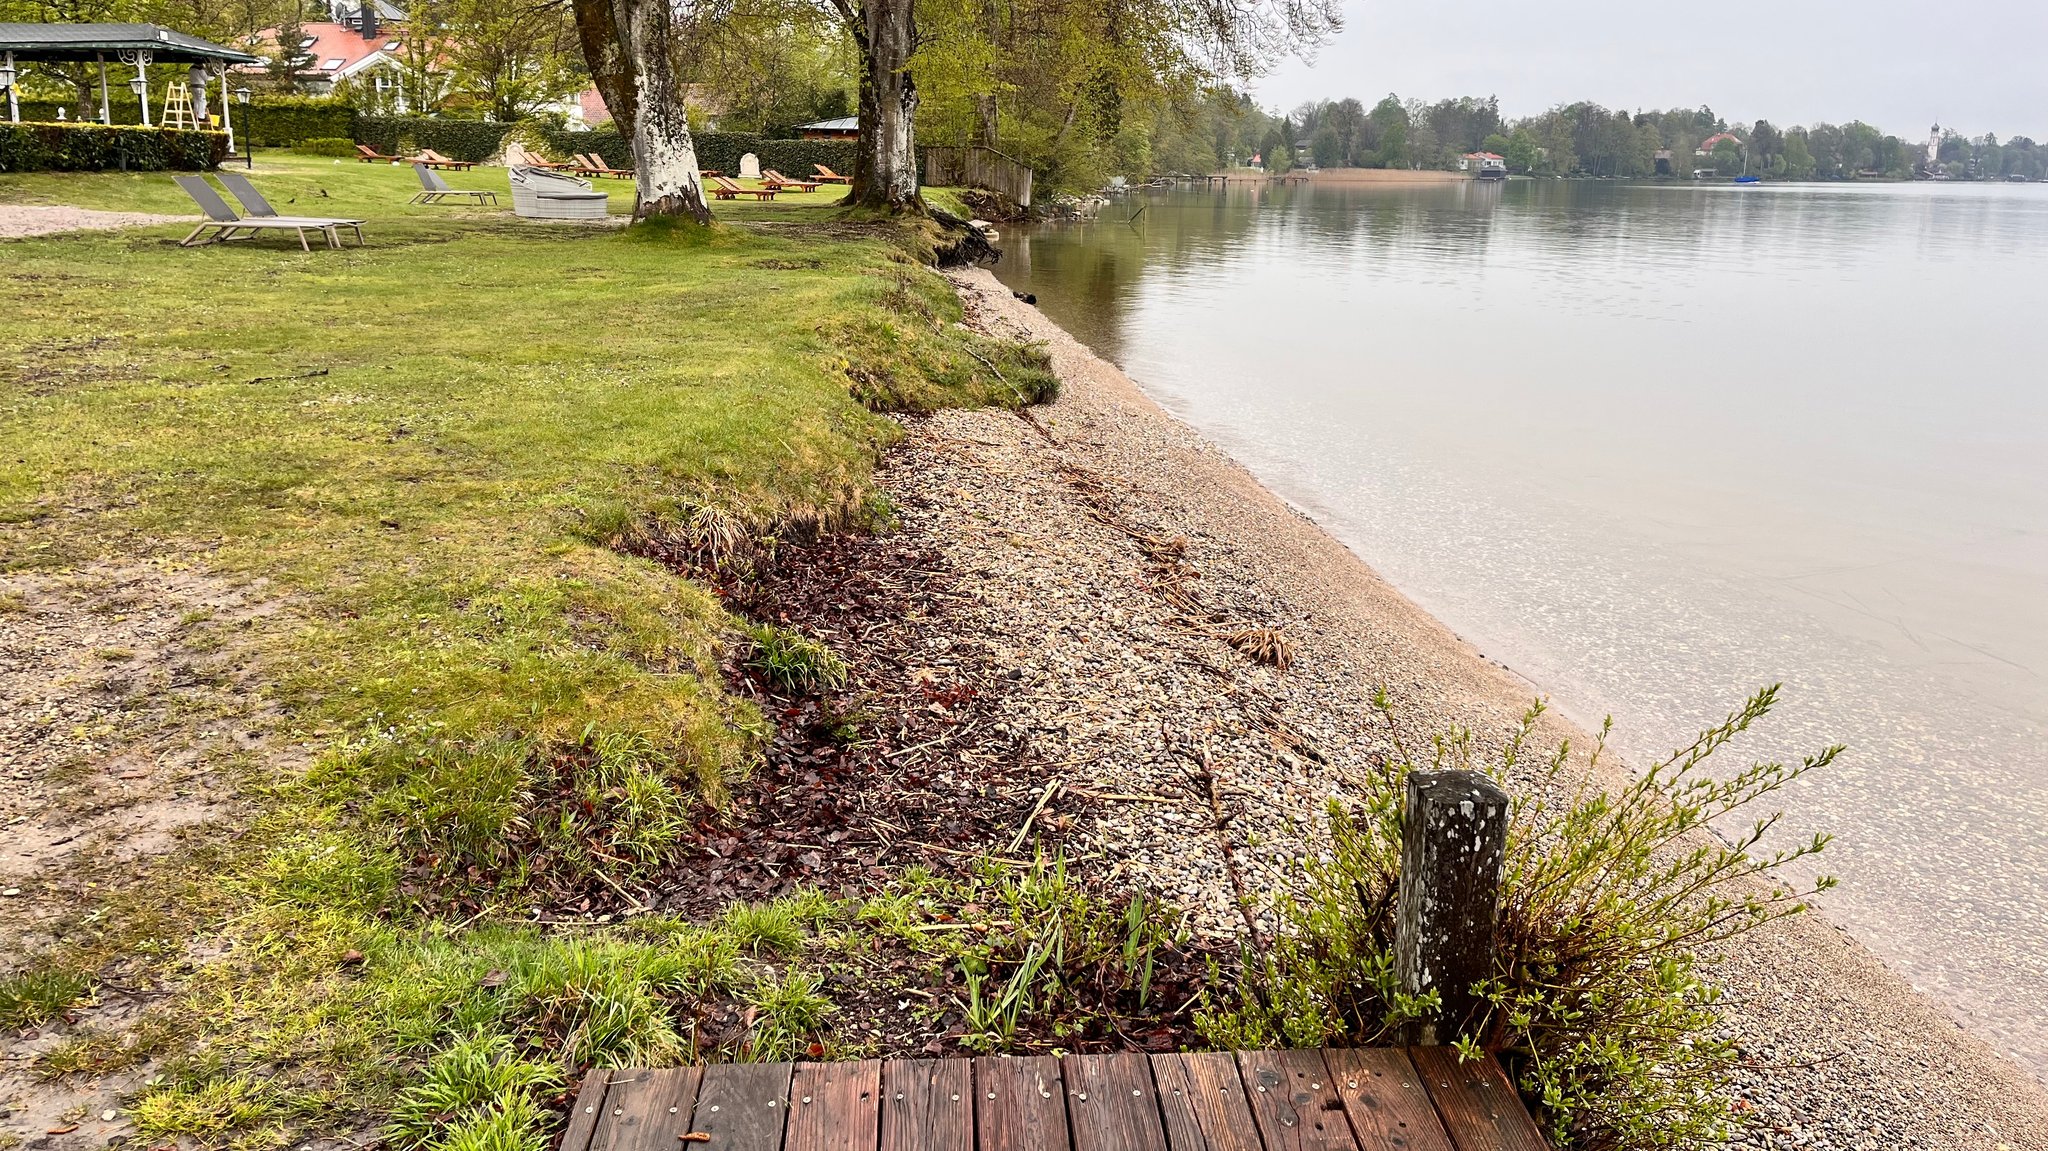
(138, 85)
(241, 95)
(6, 76)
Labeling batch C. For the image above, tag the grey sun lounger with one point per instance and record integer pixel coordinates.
(224, 224)
(252, 202)
(433, 189)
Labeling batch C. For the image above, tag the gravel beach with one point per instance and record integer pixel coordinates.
(1131, 578)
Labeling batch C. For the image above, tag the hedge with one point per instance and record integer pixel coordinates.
(283, 121)
(718, 150)
(473, 141)
(278, 121)
(327, 146)
(72, 147)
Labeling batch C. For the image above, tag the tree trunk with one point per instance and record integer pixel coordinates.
(885, 156)
(598, 31)
(629, 45)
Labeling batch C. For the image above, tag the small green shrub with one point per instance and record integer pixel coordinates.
(1596, 1005)
(327, 146)
(794, 663)
(39, 994)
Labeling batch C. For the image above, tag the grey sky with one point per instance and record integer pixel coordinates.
(1975, 65)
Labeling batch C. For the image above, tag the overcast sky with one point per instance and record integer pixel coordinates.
(1975, 65)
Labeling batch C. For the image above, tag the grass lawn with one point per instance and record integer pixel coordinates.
(424, 451)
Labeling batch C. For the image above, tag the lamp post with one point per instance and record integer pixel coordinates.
(248, 128)
(140, 87)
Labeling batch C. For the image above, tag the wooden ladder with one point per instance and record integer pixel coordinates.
(178, 106)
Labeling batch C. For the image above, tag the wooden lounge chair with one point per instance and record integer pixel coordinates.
(778, 181)
(597, 167)
(724, 189)
(252, 202)
(828, 176)
(224, 224)
(369, 155)
(433, 159)
(435, 190)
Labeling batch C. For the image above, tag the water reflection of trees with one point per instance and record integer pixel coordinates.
(1628, 237)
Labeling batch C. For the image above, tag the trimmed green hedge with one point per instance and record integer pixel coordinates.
(471, 140)
(284, 121)
(72, 147)
(279, 121)
(719, 150)
(327, 146)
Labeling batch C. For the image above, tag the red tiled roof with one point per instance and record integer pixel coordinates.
(335, 47)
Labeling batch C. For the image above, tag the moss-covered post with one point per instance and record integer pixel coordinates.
(1453, 843)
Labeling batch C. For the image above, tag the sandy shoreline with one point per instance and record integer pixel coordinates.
(1847, 1054)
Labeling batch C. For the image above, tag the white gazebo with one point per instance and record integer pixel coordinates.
(136, 45)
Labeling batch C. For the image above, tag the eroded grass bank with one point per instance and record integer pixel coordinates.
(466, 703)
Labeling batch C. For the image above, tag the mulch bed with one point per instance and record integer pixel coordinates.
(931, 775)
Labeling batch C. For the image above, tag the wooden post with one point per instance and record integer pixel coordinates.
(1453, 844)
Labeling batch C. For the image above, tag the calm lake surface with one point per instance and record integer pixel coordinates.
(1654, 447)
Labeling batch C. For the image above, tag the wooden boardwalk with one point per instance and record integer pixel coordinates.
(1413, 1099)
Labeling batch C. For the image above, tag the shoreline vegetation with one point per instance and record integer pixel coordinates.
(777, 649)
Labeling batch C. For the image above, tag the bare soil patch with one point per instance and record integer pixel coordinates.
(124, 702)
(19, 221)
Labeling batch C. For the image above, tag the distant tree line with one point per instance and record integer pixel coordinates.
(1586, 139)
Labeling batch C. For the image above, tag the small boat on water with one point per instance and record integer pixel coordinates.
(1749, 179)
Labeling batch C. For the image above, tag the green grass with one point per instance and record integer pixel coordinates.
(429, 447)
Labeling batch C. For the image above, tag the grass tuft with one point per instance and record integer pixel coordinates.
(33, 997)
(793, 663)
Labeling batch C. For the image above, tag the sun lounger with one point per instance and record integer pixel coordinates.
(828, 176)
(435, 190)
(433, 159)
(543, 195)
(594, 165)
(369, 155)
(724, 189)
(224, 224)
(252, 202)
(778, 181)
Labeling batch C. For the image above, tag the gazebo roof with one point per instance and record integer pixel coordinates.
(84, 42)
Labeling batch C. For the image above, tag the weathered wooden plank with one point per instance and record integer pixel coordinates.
(1111, 1103)
(1020, 1104)
(1293, 1102)
(1479, 1106)
(927, 1105)
(1385, 1100)
(1201, 1102)
(742, 1106)
(645, 1110)
(583, 1114)
(834, 1107)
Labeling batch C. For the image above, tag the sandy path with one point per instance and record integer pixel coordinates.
(1050, 524)
(18, 221)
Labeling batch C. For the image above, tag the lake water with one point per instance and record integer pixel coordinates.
(1653, 447)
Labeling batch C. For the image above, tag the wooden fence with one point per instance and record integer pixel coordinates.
(979, 168)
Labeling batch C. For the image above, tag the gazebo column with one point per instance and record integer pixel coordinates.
(142, 74)
(227, 123)
(106, 109)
